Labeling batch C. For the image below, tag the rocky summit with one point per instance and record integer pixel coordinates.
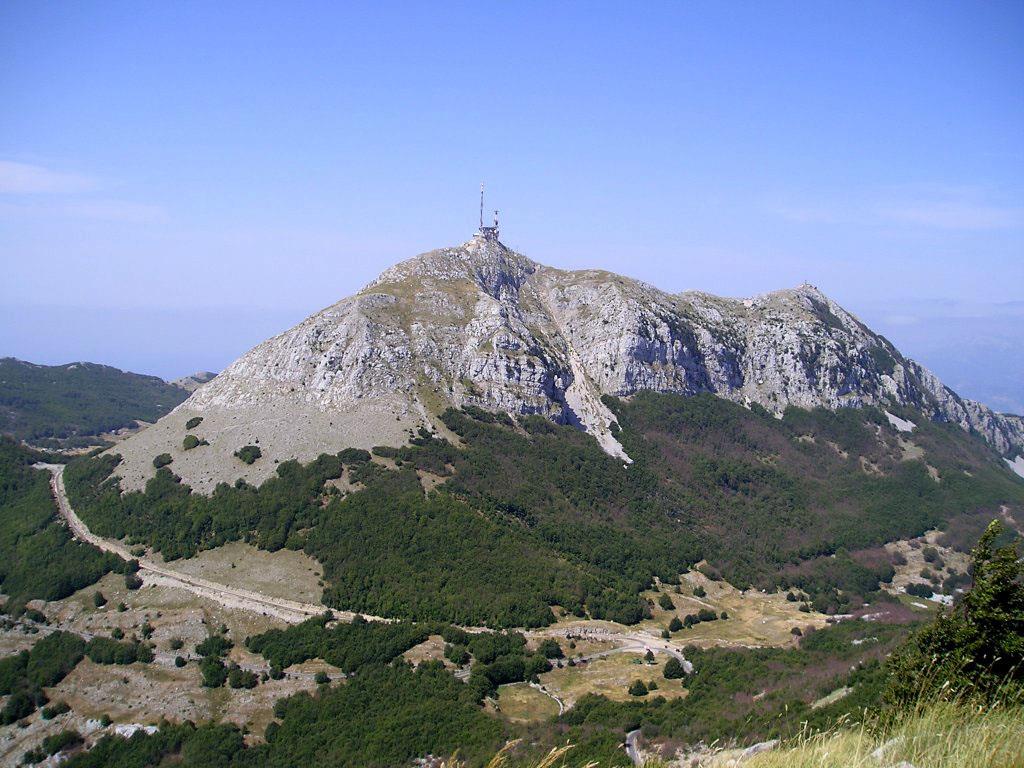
(482, 325)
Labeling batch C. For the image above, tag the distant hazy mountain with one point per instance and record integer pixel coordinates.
(73, 403)
(195, 381)
(976, 348)
(482, 325)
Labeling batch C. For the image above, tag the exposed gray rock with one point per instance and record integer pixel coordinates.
(482, 325)
(757, 749)
(193, 382)
(879, 753)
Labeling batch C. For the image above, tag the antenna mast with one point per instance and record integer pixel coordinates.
(486, 233)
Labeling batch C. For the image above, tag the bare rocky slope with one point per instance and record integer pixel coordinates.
(482, 325)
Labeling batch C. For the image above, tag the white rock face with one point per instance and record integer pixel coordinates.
(900, 425)
(481, 325)
(1017, 465)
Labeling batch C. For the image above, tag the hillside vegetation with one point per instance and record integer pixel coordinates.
(38, 556)
(531, 514)
(387, 713)
(72, 404)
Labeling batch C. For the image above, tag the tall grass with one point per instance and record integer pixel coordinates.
(942, 734)
(938, 734)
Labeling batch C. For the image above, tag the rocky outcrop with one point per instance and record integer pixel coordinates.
(482, 325)
(194, 381)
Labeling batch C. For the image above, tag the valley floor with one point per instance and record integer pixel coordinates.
(245, 590)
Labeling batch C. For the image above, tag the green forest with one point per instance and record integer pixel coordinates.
(386, 712)
(38, 556)
(535, 514)
(68, 405)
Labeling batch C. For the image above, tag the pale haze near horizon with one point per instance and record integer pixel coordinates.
(179, 182)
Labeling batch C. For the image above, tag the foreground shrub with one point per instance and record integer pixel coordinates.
(975, 649)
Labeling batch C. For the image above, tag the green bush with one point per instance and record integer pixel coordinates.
(918, 589)
(216, 646)
(550, 649)
(457, 654)
(51, 745)
(975, 649)
(71, 404)
(531, 517)
(215, 674)
(191, 441)
(104, 650)
(19, 704)
(194, 422)
(673, 669)
(637, 688)
(24, 675)
(162, 460)
(346, 646)
(249, 453)
(242, 678)
(55, 710)
(39, 558)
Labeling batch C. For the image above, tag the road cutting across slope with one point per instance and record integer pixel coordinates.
(151, 572)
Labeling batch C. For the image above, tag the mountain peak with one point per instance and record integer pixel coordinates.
(479, 324)
(488, 262)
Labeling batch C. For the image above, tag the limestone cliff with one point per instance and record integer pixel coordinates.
(480, 324)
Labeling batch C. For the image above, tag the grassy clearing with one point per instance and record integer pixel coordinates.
(913, 553)
(285, 573)
(610, 676)
(755, 618)
(431, 649)
(521, 703)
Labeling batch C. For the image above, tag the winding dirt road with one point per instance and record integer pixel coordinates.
(152, 572)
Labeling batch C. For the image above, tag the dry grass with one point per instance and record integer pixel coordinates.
(911, 572)
(942, 735)
(521, 703)
(755, 618)
(609, 676)
(431, 649)
(283, 574)
(143, 693)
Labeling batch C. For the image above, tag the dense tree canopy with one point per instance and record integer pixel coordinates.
(70, 403)
(38, 556)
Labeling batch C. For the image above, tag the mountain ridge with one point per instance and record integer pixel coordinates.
(73, 404)
(482, 325)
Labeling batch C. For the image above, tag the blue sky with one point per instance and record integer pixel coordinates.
(180, 180)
